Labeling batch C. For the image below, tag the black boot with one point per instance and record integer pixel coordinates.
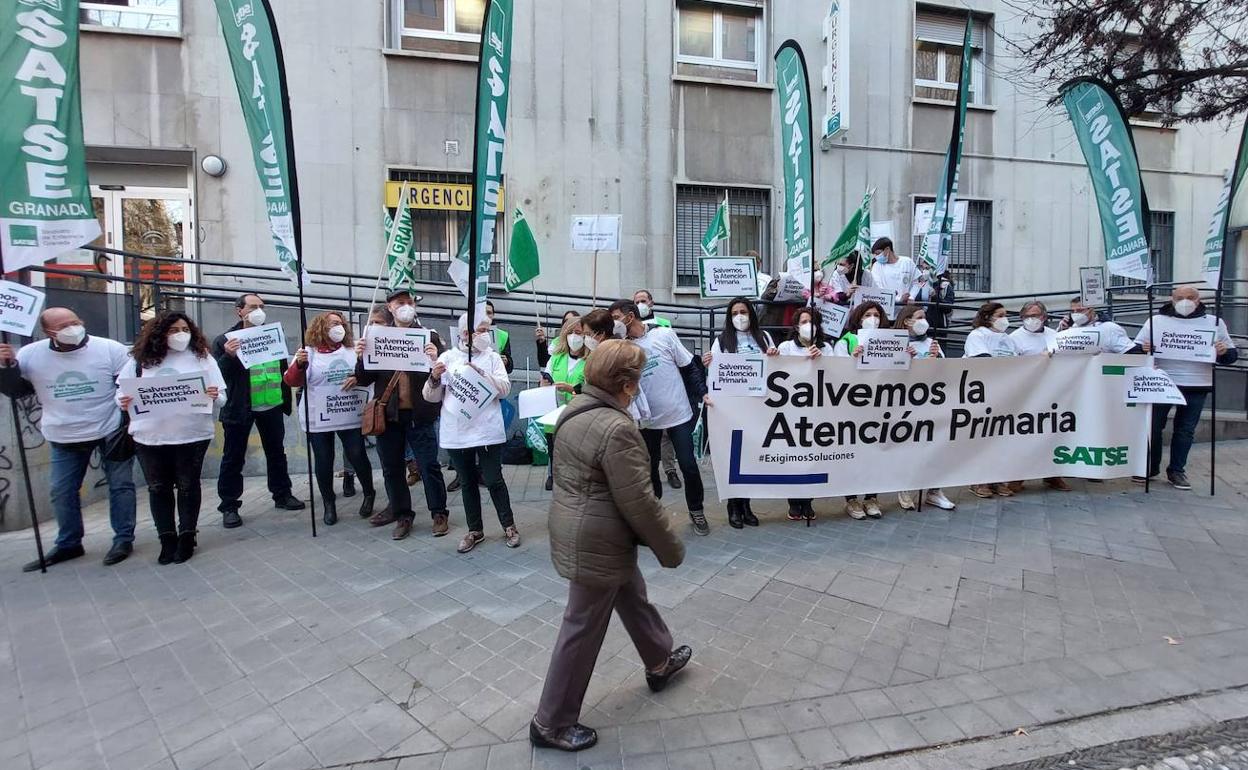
(366, 505)
(168, 548)
(186, 547)
(747, 515)
(348, 485)
(330, 516)
(796, 510)
(734, 514)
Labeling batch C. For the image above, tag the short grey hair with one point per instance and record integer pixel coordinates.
(1034, 303)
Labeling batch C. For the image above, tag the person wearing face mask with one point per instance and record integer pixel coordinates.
(543, 345)
(850, 274)
(502, 340)
(475, 445)
(1194, 379)
(566, 372)
(806, 340)
(326, 364)
(866, 316)
(892, 272)
(988, 335)
(1114, 338)
(741, 334)
(76, 421)
(257, 397)
(644, 301)
(935, 293)
(1034, 338)
(401, 305)
(171, 449)
(913, 318)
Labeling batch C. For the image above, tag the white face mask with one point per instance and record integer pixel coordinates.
(71, 336)
(1185, 307)
(590, 344)
(919, 327)
(741, 322)
(870, 322)
(621, 331)
(818, 276)
(179, 341)
(481, 343)
(1001, 324)
(842, 269)
(338, 333)
(1079, 319)
(576, 342)
(1033, 324)
(405, 313)
(256, 317)
(643, 309)
(805, 331)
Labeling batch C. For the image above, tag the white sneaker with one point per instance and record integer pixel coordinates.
(937, 498)
(873, 508)
(906, 501)
(855, 510)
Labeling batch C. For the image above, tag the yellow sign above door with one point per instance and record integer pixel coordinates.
(434, 196)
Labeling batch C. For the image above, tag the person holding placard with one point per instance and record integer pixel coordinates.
(475, 441)
(1114, 338)
(566, 372)
(73, 375)
(866, 316)
(892, 272)
(1185, 321)
(325, 366)
(257, 397)
(850, 274)
(741, 334)
(988, 338)
(913, 318)
(401, 312)
(644, 301)
(806, 340)
(171, 447)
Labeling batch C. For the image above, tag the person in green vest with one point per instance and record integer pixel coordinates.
(566, 371)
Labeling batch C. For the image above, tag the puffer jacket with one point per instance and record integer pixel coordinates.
(603, 505)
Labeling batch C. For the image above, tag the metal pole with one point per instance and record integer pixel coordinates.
(1213, 395)
(594, 288)
(1148, 477)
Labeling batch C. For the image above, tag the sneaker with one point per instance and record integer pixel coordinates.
(470, 541)
(1057, 483)
(906, 501)
(855, 510)
(513, 537)
(441, 524)
(230, 518)
(700, 527)
(981, 490)
(1002, 490)
(1142, 480)
(1178, 480)
(937, 498)
(673, 479)
(873, 508)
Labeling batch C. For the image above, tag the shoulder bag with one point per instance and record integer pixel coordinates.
(119, 445)
(374, 423)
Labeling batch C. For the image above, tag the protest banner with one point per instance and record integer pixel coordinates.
(737, 374)
(334, 409)
(790, 288)
(156, 397)
(260, 344)
(824, 429)
(470, 392)
(1180, 341)
(832, 318)
(1092, 285)
(19, 308)
(1079, 340)
(396, 349)
(727, 277)
(883, 296)
(1152, 386)
(884, 349)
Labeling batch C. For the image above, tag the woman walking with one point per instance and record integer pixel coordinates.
(604, 507)
(171, 449)
(324, 366)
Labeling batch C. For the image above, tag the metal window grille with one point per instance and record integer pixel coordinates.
(1160, 251)
(750, 212)
(437, 234)
(970, 252)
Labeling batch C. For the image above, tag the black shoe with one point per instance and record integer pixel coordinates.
(118, 553)
(675, 662)
(735, 519)
(55, 556)
(348, 485)
(230, 518)
(186, 547)
(366, 505)
(575, 738)
(808, 510)
(796, 511)
(289, 503)
(747, 515)
(550, 483)
(331, 512)
(1177, 479)
(454, 485)
(168, 548)
(673, 479)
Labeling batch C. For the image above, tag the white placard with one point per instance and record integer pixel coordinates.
(885, 297)
(738, 374)
(1183, 342)
(334, 409)
(156, 397)
(1079, 340)
(884, 349)
(470, 392)
(551, 418)
(19, 308)
(790, 289)
(1152, 386)
(596, 232)
(923, 217)
(260, 344)
(728, 277)
(398, 349)
(536, 402)
(884, 229)
(833, 319)
(1092, 285)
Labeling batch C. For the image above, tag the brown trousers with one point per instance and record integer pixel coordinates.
(585, 624)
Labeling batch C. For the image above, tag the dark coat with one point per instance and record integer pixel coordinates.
(238, 382)
(423, 412)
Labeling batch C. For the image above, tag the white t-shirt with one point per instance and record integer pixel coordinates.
(1034, 343)
(984, 341)
(325, 374)
(841, 282)
(661, 380)
(486, 429)
(791, 348)
(1114, 338)
(745, 343)
(178, 428)
(75, 388)
(1187, 374)
(898, 276)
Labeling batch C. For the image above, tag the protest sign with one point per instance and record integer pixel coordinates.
(1079, 340)
(790, 288)
(824, 429)
(19, 308)
(334, 409)
(727, 277)
(1152, 386)
(883, 296)
(259, 344)
(884, 349)
(832, 319)
(470, 392)
(550, 419)
(156, 397)
(1092, 285)
(536, 402)
(599, 232)
(396, 349)
(737, 374)
(1181, 341)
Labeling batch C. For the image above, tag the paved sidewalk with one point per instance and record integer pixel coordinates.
(812, 646)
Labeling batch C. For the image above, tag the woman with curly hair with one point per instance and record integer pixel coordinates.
(171, 449)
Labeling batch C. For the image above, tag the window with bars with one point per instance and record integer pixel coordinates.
(720, 39)
(938, 55)
(438, 232)
(970, 251)
(749, 213)
(138, 15)
(441, 26)
(1160, 252)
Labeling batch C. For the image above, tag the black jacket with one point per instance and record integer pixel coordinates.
(423, 412)
(238, 382)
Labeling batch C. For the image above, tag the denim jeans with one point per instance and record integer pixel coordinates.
(1186, 418)
(173, 472)
(488, 461)
(682, 442)
(354, 452)
(422, 446)
(272, 427)
(69, 468)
